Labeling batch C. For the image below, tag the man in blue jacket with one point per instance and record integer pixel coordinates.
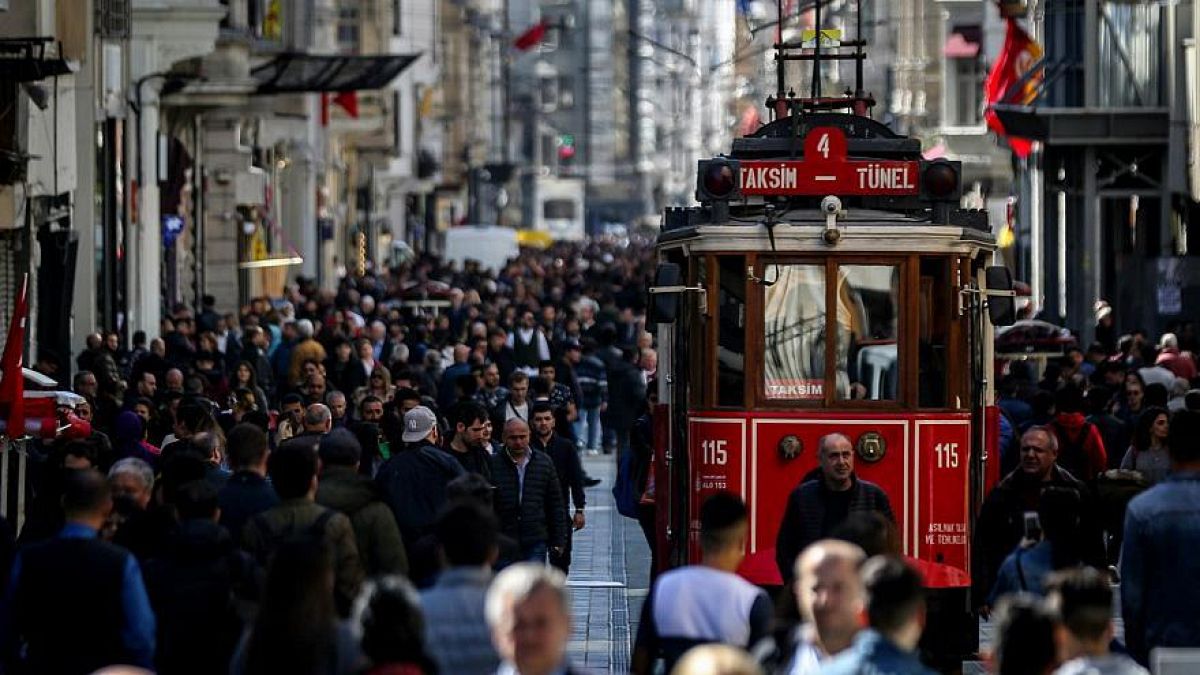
(1159, 595)
(76, 604)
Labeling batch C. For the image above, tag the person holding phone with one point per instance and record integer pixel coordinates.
(1001, 525)
(1049, 545)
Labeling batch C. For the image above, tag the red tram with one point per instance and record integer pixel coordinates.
(828, 281)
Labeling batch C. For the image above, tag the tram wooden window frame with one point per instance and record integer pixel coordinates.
(756, 301)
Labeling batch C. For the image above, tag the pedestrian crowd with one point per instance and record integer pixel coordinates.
(384, 478)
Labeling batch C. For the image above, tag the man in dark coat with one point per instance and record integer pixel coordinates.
(342, 488)
(627, 397)
(471, 426)
(199, 587)
(570, 474)
(528, 497)
(816, 507)
(1001, 524)
(247, 492)
(413, 481)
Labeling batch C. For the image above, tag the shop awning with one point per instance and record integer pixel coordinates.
(298, 73)
(28, 60)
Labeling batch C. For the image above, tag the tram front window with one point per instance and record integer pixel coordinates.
(794, 332)
(868, 321)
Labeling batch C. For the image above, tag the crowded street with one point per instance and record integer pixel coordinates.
(577, 337)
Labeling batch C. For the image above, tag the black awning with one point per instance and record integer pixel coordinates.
(29, 60)
(296, 73)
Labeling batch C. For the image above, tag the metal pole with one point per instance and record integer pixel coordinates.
(816, 83)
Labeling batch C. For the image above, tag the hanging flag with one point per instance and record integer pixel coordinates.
(12, 384)
(348, 100)
(532, 37)
(1019, 55)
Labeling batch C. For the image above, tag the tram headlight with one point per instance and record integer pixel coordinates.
(941, 180)
(718, 180)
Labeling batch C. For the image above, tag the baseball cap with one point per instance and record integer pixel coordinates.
(572, 343)
(418, 422)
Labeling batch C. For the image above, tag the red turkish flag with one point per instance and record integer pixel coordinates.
(532, 37)
(349, 102)
(12, 385)
(1019, 55)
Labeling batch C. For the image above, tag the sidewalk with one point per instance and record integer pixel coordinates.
(609, 578)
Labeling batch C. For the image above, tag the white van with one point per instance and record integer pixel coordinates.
(492, 246)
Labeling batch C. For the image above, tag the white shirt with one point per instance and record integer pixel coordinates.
(720, 614)
(516, 411)
(808, 657)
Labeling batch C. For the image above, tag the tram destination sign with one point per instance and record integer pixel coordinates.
(825, 170)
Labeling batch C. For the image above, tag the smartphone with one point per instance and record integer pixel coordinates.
(1033, 527)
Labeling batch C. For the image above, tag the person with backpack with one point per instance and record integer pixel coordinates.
(1080, 447)
(293, 472)
(344, 489)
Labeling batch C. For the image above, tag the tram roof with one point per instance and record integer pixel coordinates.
(876, 232)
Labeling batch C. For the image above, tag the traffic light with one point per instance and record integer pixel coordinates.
(566, 147)
(941, 181)
(718, 180)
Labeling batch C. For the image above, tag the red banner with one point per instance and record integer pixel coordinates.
(1019, 55)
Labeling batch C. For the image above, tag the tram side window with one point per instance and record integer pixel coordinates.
(731, 331)
(794, 333)
(934, 330)
(867, 324)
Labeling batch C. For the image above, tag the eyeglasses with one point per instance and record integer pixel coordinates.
(1032, 448)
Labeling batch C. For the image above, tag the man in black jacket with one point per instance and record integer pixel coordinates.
(528, 498)
(198, 587)
(570, 473)
(247, 492)
(413, 482)
(816, 508)
(1001, 524)
(468, 445)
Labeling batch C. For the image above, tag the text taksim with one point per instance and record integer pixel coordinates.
(780, 177)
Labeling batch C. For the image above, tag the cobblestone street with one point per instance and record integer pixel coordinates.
(609, 578)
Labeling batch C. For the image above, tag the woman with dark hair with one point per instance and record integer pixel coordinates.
(296, 630)
(1131, 401)
(1147, 452)
(388, 616)
(245, 377)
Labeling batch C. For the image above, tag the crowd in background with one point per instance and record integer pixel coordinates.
(328, 482)
(325, 482)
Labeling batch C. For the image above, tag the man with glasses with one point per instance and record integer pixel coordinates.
(1002, 520)
(469, 443)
